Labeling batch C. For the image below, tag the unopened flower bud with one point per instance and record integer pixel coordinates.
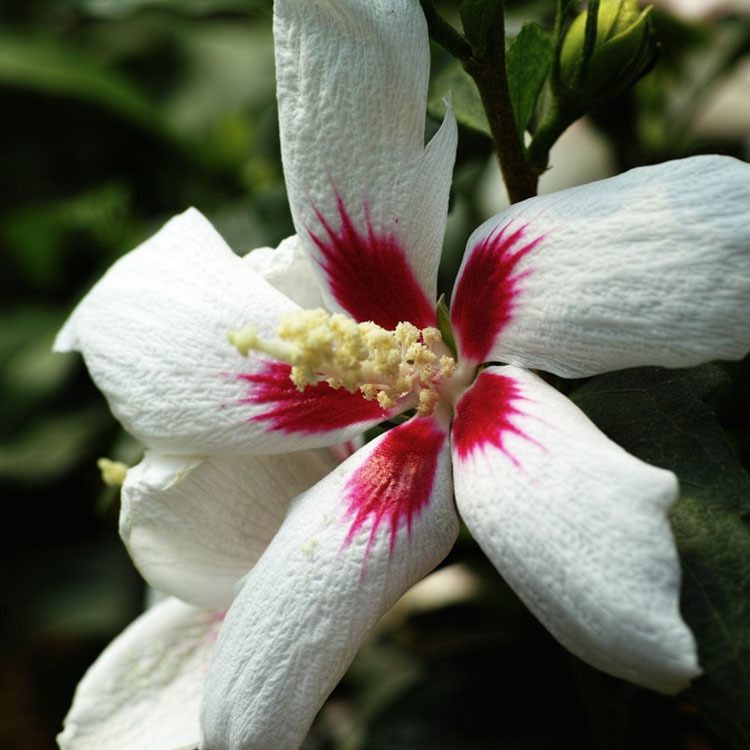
(602, 67)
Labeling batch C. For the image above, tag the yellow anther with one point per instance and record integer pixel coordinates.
(421, 356)
(302, 377)
(383, 365)
(431, 336)
(385, 401)
(447, 367)
(428, 399)
(113, 472)
(370, 391)
(406, 334)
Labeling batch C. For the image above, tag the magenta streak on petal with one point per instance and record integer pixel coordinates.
(395, 482)
(484, 415)
(316, 409)
(369, 274)
(485, 294)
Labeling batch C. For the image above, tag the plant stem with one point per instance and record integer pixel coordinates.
(553, 125)
(444, 34)
(488, 72)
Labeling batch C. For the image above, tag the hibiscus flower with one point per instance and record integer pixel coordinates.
(199, 356)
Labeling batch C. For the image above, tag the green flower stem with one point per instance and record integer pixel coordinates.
(444, 34)
(488, 72)
(556, 120)
(489, 75)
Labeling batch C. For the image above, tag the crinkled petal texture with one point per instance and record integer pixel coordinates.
(145, 689)
(647, 268)
(369, 200)
(195, 526)
(346, 552)
(153, 332)
(577, 526)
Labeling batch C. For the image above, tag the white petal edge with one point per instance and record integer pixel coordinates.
(651, 267)
(153, 332)
(306, 607)
(194, 527)
(288, 269)
(579, 529)
(352, 88)
(144, 690)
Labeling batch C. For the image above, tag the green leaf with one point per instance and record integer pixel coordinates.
(232, 71)
(527, 64)
(35, 236)
(53, 446)
(661, 416)
(29, 370)
(60, 69)
(477, 17)
(465, 99)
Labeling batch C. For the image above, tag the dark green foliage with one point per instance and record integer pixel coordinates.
(477, 18)
(662, 417)
(117, 114)
(528, 63)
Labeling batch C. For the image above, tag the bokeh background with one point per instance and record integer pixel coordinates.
(117, 114)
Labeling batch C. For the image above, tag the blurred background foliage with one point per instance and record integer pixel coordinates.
(117, 114)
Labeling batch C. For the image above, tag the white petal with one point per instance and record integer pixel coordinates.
(288, 269)
(352, 89)
(153, 333)
(194, 527)
(144, 690)
(577, 526)
(347, 550)
(648, 268)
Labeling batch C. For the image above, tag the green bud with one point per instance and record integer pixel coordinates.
(599, 61)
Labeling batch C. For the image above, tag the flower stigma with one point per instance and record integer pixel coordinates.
(383, 365)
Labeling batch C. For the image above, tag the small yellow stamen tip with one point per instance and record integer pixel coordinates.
(369, 390)
(431, 335)
(113, 472)
(244, 340)
(428, 400)
(447, 367)
(247, 339)
(385, 401)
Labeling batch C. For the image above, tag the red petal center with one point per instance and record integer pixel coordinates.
(395, 482)
(486, 292)
(369, 274)
(485, 413)
(317, 408)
